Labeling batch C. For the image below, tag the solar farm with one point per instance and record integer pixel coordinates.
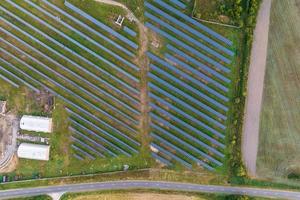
(189, 88)
(93, 66)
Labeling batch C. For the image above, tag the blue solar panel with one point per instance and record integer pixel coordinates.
(73, 83)
(77, 55)
(111, 87)
(70, 71)
(183, 143)
(178, 3)
(194, 22)
(161, 159)
(80, 134)
(102, 139)
(182, 123)
(17, 69)
(202, 76)
(103, 131)
(173, 156)
(89, 28)
(101, 25)
(187, 77)
(187, 47)
(160, 120)
(83, 152)
(182, 152)
(17, 78)
(92, 149)
(187, 116)
(199, 64)
(188, 87)
(129, 87)
(155, 89)
(186, 96)
(188, 38)
(9, 81)
(188, 28)
(129, 31)
(116, 56)
(78, 157)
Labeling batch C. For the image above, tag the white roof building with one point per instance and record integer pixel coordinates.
(35, 123)
(34, 151)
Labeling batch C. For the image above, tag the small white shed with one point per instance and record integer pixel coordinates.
(36, 123)
(34, 151)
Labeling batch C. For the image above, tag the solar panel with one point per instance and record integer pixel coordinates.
(116, 56)
(187, 116)
(199, 64)
(160, 121)
(194, 22)
(187, 47)
(182, 142)
(70, 71)
(83, 152)
(88, 102)
(78, 157)
(9, 81)
(200, 75)
(101, 25)
(125, 84)
(186, 96)
(161, 159)
(178, 3)
(188, 87)
(186, 37)
(182, 152)
(19, 79)
(129, 31)
(187, 77)
(173, 156)
(186, 125)
(89, 28)
(188, 28)
(80, 134)
(155, 89)
(99, 137)
(87, 146)
(79, 56)
(107, 126)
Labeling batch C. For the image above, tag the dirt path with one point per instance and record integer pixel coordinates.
(255, 88)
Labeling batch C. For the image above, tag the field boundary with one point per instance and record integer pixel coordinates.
(255, 87)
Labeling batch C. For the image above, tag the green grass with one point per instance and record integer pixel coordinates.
(40, 197)
(278, 154)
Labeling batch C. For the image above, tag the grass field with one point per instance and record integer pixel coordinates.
(279, 146)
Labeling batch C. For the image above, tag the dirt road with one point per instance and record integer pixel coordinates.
(255, 88)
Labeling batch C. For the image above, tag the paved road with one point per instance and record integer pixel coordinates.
(117, 185)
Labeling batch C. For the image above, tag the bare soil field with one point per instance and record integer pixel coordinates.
(279, 141)
(137, 196)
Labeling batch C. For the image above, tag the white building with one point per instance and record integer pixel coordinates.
(37, 124)
(34, 151)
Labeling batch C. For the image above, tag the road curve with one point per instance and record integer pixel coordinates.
(135, 184)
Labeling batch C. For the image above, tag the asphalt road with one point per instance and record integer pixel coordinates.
(117, 185)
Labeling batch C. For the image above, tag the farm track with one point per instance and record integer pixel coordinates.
(255, 88)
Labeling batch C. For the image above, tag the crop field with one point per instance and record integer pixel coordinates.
(190, 88)
(279, 147)
(96, 69)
